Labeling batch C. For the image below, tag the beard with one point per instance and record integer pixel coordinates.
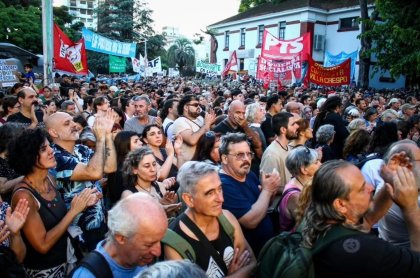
(291, 136)
(194, 114)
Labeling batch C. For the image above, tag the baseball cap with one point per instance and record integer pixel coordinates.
(407, 106)
(393, 100)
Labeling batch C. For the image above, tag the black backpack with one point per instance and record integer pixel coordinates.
(284, 257)
(95, 263)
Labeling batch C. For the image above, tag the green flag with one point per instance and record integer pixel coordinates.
(116, 64)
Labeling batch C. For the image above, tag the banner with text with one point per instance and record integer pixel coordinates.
(154, 66)
(8, 70)
(275, 49)
(207, 68)
(333, 60)
(98, 43)
(69, 56)
(329, 76)
(284, 72)
(117, 64)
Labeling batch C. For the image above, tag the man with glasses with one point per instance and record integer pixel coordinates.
(142, 119)
(244, 195)
(190, 125)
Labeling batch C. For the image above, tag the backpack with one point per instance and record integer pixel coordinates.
(185, 249)
(284, 257)
(96, 264)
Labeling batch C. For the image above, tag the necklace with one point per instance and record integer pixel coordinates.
(299, 181)
(144, 189)
(50, 203)
(284, 148)
(40, 191)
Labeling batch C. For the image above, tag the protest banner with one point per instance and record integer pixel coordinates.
(275, 49)
(207, 68)
(117, 64)
(98, 43)
(69, 56)
(8, 70)
(333, 60)
(286, 71)
(329, 76)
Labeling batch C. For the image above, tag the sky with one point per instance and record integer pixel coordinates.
(191, 15)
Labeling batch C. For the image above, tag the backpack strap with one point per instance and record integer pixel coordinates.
(166, 129)
(180, 245)
(227, 226)
(335, 233)
(96, 263)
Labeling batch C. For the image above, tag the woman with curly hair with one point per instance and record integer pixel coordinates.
(45, 229)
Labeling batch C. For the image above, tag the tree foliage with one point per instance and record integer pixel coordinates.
(249, 4)
(21, 26)
(396, 38)
(181, 53)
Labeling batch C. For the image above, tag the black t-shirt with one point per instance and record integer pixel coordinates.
(267, 128)
(224, 127)
(21, 119)
(366, 256)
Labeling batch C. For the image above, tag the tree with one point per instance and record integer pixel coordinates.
(21, 26)
(365, 45)
(181, 53)
(396, 38)
(249, 4)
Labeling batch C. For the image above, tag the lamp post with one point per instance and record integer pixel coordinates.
(47, 38)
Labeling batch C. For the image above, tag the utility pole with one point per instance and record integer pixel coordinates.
(47, 39)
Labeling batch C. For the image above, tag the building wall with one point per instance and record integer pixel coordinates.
(84, 11)
(298, 22)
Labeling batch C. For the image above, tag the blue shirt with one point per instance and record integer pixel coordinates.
(239, 198)
(117, 270)
(93, 217)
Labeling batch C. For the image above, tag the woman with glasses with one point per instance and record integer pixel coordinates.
(140, 173)
(208, 148)
(165, 157)
(10, 106)
(302, 163)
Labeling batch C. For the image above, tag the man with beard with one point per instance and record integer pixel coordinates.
(190, 125)
(341, 202)
(142, 106)
(78, 167)
(285, 126)
(244, 195)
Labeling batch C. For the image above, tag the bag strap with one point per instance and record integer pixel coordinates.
(335, 233)
(227, 226)
(166, 129)
(201, 237)
(180, 245)
(96, 263)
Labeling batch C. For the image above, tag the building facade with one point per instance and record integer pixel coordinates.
(333, 27)
(84, 11)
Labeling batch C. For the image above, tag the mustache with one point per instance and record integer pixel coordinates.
(245, 164)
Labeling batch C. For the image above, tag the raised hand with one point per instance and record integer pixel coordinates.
(169, 147)
(158, 121)
(169, 182)
(404, 190)
(16, 220)
(270, 181)
(170, 197)
(178, 144)
(209, 118)
(81, 201)
(4, 231)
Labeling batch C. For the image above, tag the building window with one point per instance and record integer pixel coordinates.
(90, 5)
(349, 23)
(260, 34)
(241, 64)
(227, 40)
(282, 30)
(242, 38)
(82, 2)
(226, 61)
(82, 11)
(73, 3)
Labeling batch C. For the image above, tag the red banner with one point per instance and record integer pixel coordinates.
(69, 56)
(286, 71)
(233, 61)
(276, 49)
(329, 76)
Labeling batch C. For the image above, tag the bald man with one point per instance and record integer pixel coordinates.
(78, 167)
(236, 122)
(136, 226)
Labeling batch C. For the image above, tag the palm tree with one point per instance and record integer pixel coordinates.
(181, 53)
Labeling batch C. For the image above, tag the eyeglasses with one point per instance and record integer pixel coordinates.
(241, 156)
(194, 104)
(210, 134)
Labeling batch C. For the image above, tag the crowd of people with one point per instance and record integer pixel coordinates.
(104, 181)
